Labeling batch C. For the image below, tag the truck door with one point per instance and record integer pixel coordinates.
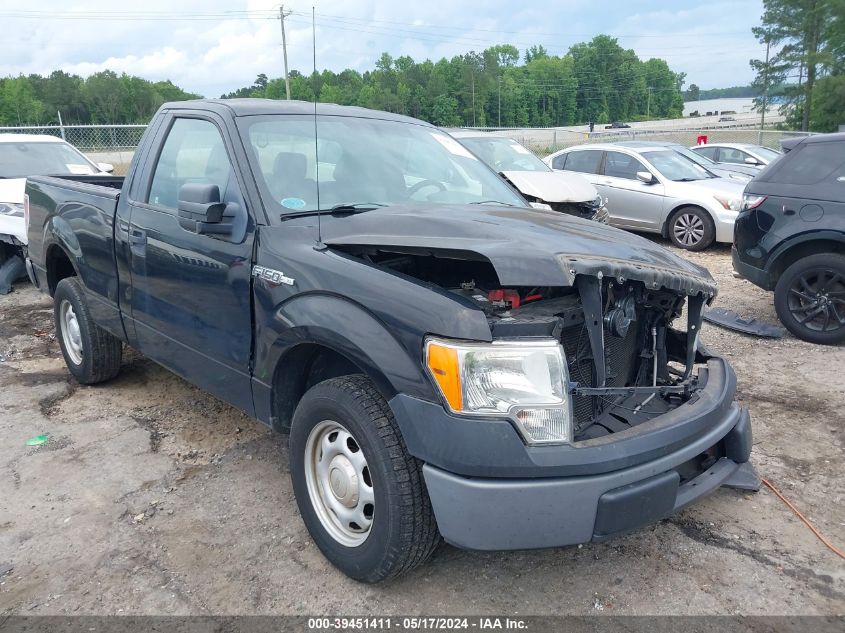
(190, 299)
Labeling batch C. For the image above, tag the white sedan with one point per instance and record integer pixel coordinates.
(23, 155)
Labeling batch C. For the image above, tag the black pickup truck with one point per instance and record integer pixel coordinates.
(360, 280)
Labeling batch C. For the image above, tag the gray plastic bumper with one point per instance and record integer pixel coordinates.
(505, 514)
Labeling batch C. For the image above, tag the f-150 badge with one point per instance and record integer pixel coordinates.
(273, 276)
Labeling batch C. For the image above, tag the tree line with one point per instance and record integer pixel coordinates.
(104, 97)
(596, 81)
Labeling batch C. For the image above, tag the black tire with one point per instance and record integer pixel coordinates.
(813, 290)
(691, 223)
(403, 533)
(100, 355)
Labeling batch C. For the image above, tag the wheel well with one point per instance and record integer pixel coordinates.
(59, 267)
(665, 230)
(791, 255)
(300, 369)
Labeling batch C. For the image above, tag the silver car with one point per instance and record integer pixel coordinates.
(656, 189)
(733, 171)
(738, 153)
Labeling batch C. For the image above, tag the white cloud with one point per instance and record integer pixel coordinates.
(217, 53)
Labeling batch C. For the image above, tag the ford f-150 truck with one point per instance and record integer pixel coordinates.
(446, 359)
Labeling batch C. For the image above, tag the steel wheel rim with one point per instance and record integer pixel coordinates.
(816, 300)
(71, 334)
(688, 229)
(339, 484)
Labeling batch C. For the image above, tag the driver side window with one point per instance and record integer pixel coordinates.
(193, 152)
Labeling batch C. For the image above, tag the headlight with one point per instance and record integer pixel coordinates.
(522, 380)
(11, 208)
(731, 204)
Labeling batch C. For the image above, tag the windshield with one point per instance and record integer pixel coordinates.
(765, 152)
(364, 162)
(674, 166)
(699, 159)
(504, 154)
(19, 160)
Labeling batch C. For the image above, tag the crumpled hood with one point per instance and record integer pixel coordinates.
(527, 247)
(552, 186)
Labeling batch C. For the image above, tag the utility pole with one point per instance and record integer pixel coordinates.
(473, 99)
(282, 16)
(500, 101)
(648, 104)
(765, 89)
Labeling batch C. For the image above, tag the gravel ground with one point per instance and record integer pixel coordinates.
(152, 497)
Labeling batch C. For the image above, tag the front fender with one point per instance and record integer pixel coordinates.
(345, 327)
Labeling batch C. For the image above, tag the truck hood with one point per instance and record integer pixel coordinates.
(550, 186)
(527, 247)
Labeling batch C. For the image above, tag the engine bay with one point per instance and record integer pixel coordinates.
(646, 369)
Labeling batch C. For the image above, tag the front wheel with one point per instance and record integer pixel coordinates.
(91, 354)
(361, 495)
(810, 298)
(692, 229)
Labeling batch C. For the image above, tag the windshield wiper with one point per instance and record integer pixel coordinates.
(688, 179)
(506, 204)
(353, 207)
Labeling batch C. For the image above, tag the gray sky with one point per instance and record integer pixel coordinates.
(214, 46)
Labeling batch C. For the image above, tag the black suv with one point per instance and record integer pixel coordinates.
(790, 236)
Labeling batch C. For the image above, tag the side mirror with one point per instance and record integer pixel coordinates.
(647, 177)
(200, 209)
(106, 167)
(752, 161)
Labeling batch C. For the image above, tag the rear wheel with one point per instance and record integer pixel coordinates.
(360, 494)
(810, 298)
(91, 354)
(692, 229)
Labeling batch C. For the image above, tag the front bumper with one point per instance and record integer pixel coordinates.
(490, 491)
(506, 514)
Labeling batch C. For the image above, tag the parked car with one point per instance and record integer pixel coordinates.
(537, 182)
(652, 188)
(617, 125)
(23, 155)
(738, 153)
(740, 173)
(790, 236)
(426, 338)
(726, 119)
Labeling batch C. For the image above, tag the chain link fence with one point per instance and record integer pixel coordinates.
(116, 144)
(113, 144)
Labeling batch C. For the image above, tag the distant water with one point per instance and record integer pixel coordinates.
(738, 105)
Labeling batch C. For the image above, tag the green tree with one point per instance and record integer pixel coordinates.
(19, 104)
(806, 36)
(444, 111)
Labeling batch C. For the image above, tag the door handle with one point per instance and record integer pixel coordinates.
(138, 242)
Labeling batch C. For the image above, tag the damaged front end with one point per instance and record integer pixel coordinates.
(623, 313)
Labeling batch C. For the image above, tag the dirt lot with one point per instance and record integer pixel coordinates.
(153, 498)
